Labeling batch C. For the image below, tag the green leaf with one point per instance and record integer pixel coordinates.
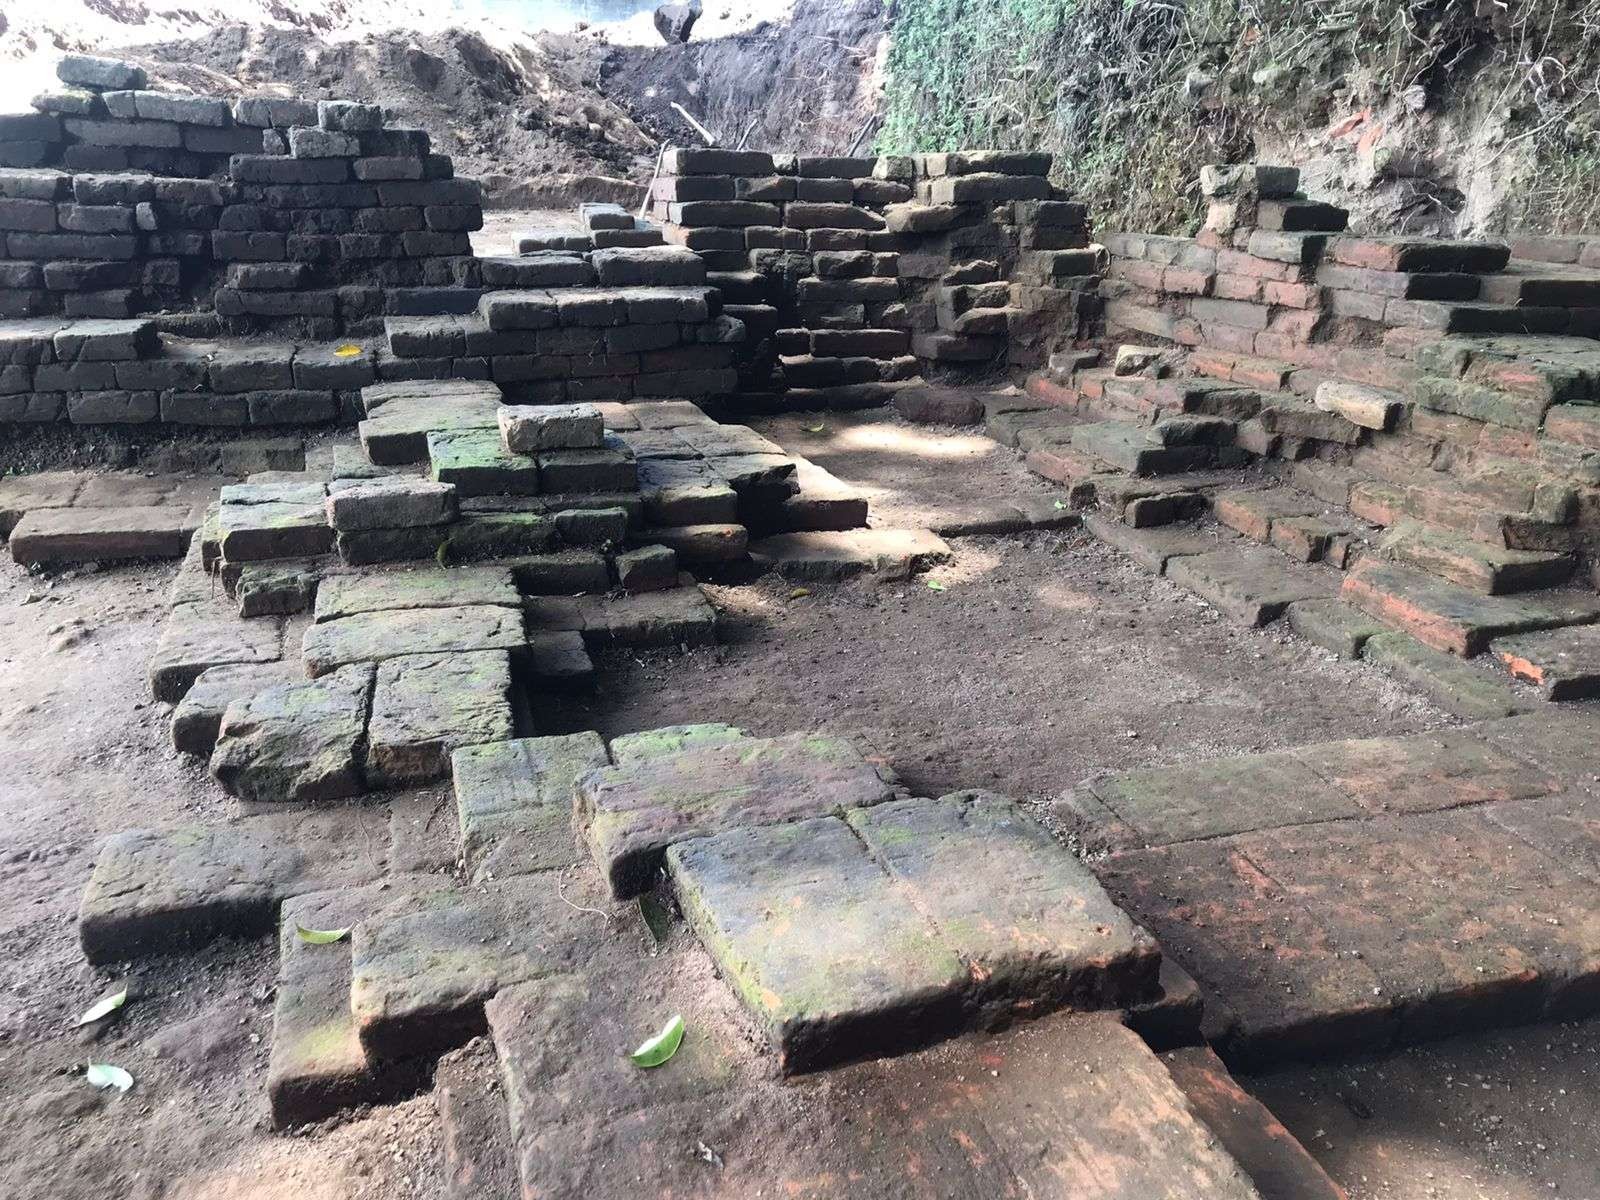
(321, 937)
(661, 1047)
(815, 428)
(104, 1008)
(935, 586)
(656, 917)
(1059, 505)
(104, 1075)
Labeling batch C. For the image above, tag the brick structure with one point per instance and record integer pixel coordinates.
(283, 215)
(854, 276)
(1416, 413)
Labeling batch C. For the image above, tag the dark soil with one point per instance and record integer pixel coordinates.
(1046, 658)
(805, 86)
(521, 113)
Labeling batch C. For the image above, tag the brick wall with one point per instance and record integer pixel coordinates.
(855, 276)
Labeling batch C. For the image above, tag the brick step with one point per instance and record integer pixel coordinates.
(1303, 527)
(944, 346)
(829, 556)
(1141, 396)
(985, 322)
(1460, 506)
(1533, 284)
(80, 534)
(1466, 688)
(1168, 446)
(1563, 663)
(1491, 570)
(123, 372)
(1250, 584)
(1273, 1158)
(1495, 502)
(1267, 374)
(1455, 619)
(605, 306)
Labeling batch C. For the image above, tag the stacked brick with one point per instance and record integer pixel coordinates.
(557, 326)
(851, 273)
(1443, 394)
(356, 221)
(604, 227)
(284, 215)
(103, 119)
(1273, 276)
(119, 371)
(102, 245)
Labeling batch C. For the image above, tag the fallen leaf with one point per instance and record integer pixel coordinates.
(321, 937)
(799, 593)
(104, 1008)
(657, 919)
(1059, 505)
(815, 428)
(935, 586)
(348, 350)
(660, 1048)
(104, 1075)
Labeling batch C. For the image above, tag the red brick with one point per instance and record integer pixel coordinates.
(1578, 424)
(1378, 502)
(1275, 344)
(1186, 281)
(1490, 923)
(1301, 325)
(1236, 262)
(1425, 772)
(1294, 295)
(1215, 363)
(1262, 373)
(1049, 392)
(1279, 1166)
(1229, 337)
(1142, 274)
(1278, 986)
(1238, 287)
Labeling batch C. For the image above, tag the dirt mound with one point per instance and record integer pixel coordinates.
(522, 111)
(542, 117)
(809, 84)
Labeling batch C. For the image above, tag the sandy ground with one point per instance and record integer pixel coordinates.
(1045, 659)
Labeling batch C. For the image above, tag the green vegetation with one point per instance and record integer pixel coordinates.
(1134, 95)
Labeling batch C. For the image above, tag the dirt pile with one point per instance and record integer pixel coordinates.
(544, 117)
(809, 84)
(514, 111)
(520, 110)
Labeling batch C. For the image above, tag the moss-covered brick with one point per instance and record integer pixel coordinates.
(633, 811)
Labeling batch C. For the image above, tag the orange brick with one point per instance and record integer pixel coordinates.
(1262, 373)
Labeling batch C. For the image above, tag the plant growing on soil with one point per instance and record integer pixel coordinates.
(1150, 89)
